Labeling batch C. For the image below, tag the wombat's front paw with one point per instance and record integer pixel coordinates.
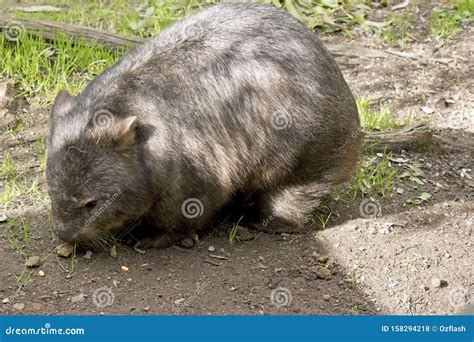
(163, 240)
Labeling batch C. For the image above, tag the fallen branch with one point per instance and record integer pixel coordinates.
(49, 30)
(401, 139)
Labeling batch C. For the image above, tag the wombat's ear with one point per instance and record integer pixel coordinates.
(62, 103)
(126, 130)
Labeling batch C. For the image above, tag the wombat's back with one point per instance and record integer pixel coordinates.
(237, 88)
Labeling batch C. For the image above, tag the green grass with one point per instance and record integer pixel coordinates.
(9, 173)
(396, 31)
(464, 7)
(447, 22)
(14, 184)
(41, 154)
(23, 279)
(233, 237)
(379, 118)
(375, 175)
(12, 239)
(25, 225)
(41, 68)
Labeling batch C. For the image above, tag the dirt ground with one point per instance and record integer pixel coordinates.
(411, 259)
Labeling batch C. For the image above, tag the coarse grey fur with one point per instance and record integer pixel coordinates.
(239, 98)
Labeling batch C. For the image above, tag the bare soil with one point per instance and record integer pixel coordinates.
(384, 265)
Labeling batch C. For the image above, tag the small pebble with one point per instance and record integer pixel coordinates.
(124, 268)
(187, 243)
(41, 273)
(113, 252)
(18, 306)
(211, 249)
(436, 282)
(64, 250)
(322, 272)
(33, 261)
(88, 255)
(3, 218)
(243, 234)
(326, 297)
(6, 300)
(78, 299)
(324, 259)
(69, 276)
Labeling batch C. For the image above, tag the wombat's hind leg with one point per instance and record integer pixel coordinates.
(287, 209)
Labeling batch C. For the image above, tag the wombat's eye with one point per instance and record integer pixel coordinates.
(90, 205)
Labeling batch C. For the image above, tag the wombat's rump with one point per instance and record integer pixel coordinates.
(235, 99)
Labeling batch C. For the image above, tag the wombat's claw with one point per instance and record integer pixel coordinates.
(160, 241)
(276, 226)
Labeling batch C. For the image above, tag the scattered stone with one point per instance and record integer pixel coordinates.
(323, 258)
(424, 288)
(400, 191)
(3, 218)
(179, 301)
(33, 261)
(78, 299)
(243, 234)
(113, 251)
(124, 268)
(88, 255)
(437, 283)
(6, 300)
(428, 110)
(18, 306)
(41, 274)
(69, 276)
(322, 272)
(64, 250)
(326, 297)
(147, 308)
(187, 243)
(211, 249)
(36, 307)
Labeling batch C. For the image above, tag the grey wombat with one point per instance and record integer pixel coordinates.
(236, 99)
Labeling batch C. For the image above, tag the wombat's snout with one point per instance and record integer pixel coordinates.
(68, 234)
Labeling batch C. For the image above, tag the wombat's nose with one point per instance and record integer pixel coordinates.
(65, 235)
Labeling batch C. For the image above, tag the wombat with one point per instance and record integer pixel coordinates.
(239, 100)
